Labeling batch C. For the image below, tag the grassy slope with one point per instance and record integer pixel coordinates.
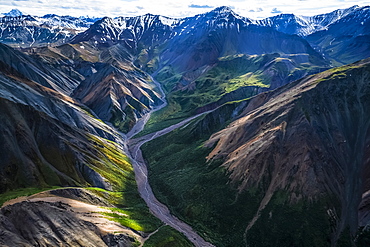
(130, 204)
(254, 73)
(127, 199)
(21, 192)
(199, 193)
(229, 75)
(167, 237)
(114, 166)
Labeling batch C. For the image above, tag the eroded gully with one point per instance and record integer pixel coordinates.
(141, 174)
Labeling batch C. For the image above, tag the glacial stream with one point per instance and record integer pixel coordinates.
(141, 175)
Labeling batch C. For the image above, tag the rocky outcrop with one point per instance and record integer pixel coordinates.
(51, 219)
(41, 151)
(36, 71)
(49, 138)
(19, 228)
(118, 96)
(309, 138)
(108, 83)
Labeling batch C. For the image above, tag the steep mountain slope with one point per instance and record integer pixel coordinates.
(37, 71)
(305, 25)
(109, 84)
(291, 170)
(147, 30)
(346, 40)
(49, 139)
(51, 130)
(199, 41)
(14, 13)
(33, 31)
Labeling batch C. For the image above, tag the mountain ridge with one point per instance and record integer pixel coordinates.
(273, 150)
(286, 23)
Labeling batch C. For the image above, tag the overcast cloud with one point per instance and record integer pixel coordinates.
(249, 8)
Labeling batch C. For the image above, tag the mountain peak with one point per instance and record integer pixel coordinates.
(222, 12)
(14, 13)
(105, 21)
(223, 9)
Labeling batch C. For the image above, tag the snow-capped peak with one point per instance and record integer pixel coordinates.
(223, 9)
(222, 12)
(14, 13)
(306, 25)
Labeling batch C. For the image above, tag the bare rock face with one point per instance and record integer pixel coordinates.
(108, 83)
(46, 136)
(41, 151)
(45, 224)
(310, 138)
(37, 71)
(53, 220)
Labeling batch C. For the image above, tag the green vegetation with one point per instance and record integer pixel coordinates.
(112, 164)
(131, 210)
(234, 77)
(12, 194)
(363, 237)
(131, 219)
(200, 193)
(282, 223)
(338, 73)
(167, 237)
(248, 79)
(89, 113)
(196, 191)
(123, 121)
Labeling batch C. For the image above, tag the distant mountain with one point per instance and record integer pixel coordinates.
(147, 30)
(30, 31)
(341, 36)
(144, 34)
(14, 13)
(347, 39)
(200, 40)
(305, 25)
(190, 46)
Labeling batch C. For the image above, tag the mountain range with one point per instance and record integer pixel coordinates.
(253, 132)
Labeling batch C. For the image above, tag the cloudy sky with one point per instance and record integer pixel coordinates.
(248, 8)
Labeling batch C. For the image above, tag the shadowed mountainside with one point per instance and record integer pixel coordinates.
(109, 84)
(51, 140)
(291, 152)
